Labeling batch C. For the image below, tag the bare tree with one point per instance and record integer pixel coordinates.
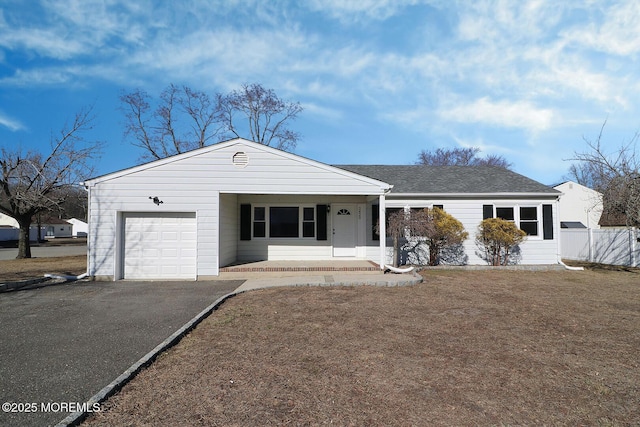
(32, 182)
(264, 117)
(460, 157)
(402, 224)
(185, 119)
(615, 174)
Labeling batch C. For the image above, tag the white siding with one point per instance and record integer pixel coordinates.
(192, 183)
(228, 229)
(580, 203)
(110, 199)
(534, 250)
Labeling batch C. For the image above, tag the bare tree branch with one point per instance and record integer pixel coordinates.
(614, 174)
(266, 115)
(467, 156)
(32, 183)
(186, 119)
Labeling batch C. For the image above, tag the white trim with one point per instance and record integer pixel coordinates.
(382, 218)
(516, 216)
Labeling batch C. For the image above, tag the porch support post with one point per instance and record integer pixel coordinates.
(383, 231)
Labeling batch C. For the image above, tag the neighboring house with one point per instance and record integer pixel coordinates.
(79, 227)
(188, 215)
(8, 221)
(56, 228)
(9, 229)
(51, 227)
(580, 206)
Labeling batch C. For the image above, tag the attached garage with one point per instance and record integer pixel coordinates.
(159, 246)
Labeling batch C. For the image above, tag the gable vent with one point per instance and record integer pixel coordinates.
(240, 159)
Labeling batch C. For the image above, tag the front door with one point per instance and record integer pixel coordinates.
(344, 230)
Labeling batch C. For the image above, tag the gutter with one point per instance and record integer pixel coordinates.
(475, 195)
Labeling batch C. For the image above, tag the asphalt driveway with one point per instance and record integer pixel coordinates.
(64, 343)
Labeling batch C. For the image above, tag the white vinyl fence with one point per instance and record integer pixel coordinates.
(606, 246)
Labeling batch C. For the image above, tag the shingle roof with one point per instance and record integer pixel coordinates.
(418, 179)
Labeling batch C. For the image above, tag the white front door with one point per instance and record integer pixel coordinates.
(344, 230)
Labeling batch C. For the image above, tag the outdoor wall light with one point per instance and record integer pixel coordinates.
(328, 208)
(156, 200)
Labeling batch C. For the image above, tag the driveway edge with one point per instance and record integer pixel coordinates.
(11, 286)
(76, 418)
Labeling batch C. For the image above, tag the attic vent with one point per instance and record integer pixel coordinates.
(240, 159)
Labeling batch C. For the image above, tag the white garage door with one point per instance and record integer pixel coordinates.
(159, 246)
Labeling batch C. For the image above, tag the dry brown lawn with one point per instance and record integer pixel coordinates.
(463, 348)
(21, 269)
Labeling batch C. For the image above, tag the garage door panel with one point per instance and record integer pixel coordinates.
(170, 235)
(159, 246)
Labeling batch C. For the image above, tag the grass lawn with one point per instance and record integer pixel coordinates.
(463, 348)
(22, 269)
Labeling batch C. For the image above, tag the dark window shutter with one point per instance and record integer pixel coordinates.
(245, 222)
(375, 216)
(547, 222)
(321, 222)
(487, 211)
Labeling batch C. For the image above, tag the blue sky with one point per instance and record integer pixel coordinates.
(380, 80)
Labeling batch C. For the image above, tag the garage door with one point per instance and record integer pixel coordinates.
(159, 246)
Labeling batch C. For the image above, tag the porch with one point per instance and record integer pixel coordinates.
(297, 268)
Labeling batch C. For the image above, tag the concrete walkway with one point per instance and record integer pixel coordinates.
(271, 280)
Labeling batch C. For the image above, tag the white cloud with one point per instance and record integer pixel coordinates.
(508, 114)
(325, 113)
(354, 10)
(617, 34)
(13, 125)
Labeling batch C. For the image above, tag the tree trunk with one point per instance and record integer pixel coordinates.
(396, 251)
(24, 245)
(433, 255)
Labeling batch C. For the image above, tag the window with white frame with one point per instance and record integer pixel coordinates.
(284, 222)
(525, 217)
(529, 220)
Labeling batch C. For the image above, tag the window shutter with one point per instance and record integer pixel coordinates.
(487, 211)
(321, 222)
(547, 222)
(245, 222)
(375, 216)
